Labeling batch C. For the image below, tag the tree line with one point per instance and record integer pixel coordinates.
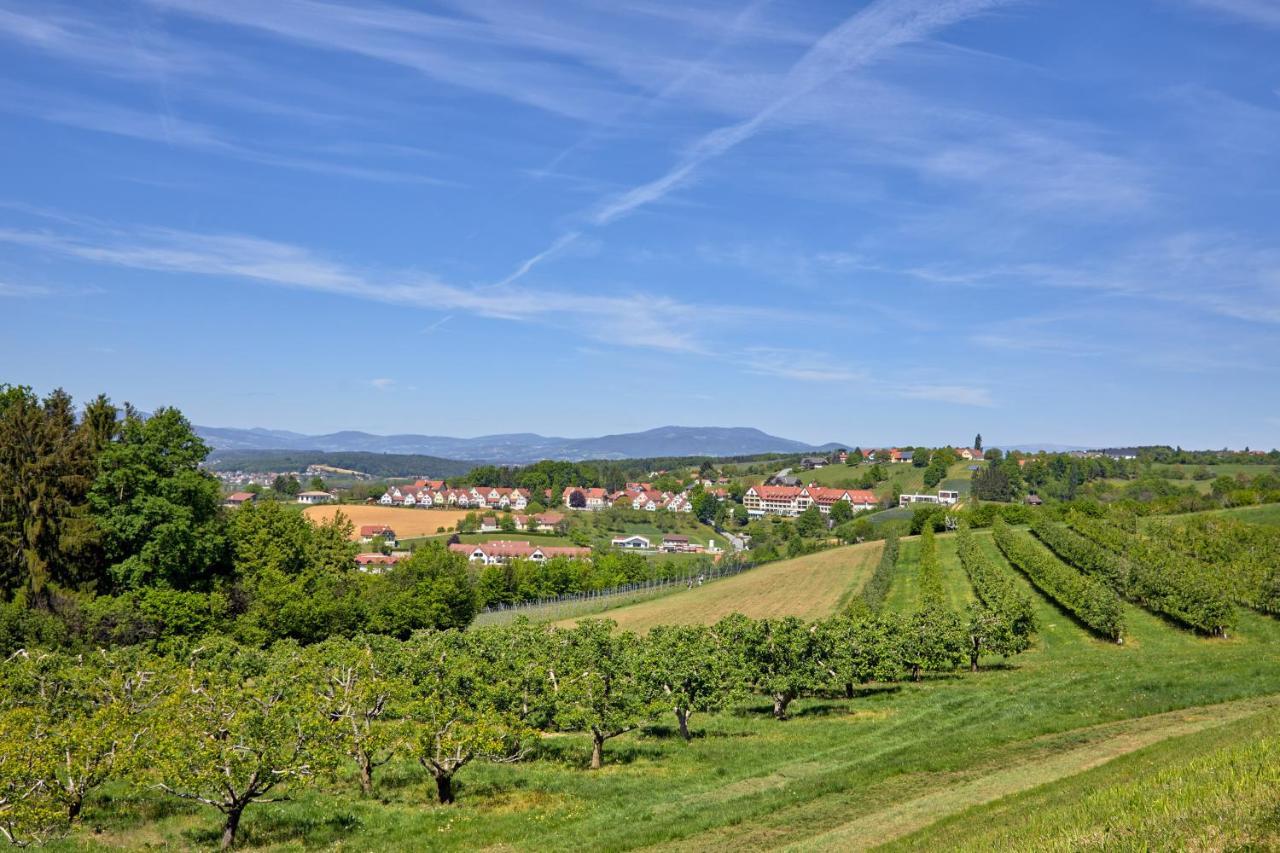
(227, 725)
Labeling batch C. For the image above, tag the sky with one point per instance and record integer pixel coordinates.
(904, 221)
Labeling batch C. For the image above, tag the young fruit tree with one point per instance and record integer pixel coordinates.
(452, 720)
(779, 657)
(240, 726)
(597, 683)
(687, 666)
(29, 811)
(95, 715)
(361, 678)
(856, 649)
(989, 633)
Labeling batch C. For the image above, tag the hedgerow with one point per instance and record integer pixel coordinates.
(877, 586)
(1091, 601)
(1247, 555)
(994, 586)
(1163, 580)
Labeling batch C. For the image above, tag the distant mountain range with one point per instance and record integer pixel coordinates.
(519, 448)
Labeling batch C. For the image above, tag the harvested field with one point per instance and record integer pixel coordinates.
(407, 523)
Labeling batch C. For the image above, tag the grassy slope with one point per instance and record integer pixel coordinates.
(1211, 786)
(810, 587)
(1264, 514)
(838, 775)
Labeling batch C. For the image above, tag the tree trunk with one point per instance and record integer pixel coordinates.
(366, 774)
(682, 718)
(915, 672)
(444, 788)
(230, 827)
(973, 661)
(780, 703)
(74, 805)
(848, 690)
(597, 750)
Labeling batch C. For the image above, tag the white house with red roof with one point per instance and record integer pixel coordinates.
(590, 499)
(369, 532)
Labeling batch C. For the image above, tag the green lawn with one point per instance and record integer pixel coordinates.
(1078, 742)
(1262, 514)
(1224, 470)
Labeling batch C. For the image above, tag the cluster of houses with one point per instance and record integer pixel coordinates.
(639, 496)
(426, 494)
(793, 500)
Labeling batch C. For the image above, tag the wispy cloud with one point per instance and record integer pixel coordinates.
(383, 384)
(960, 395)
(22, 290)
(799, 365)
(163, 128)
(1266, 12)
(437, 324)
(860, 40)
(635, 319)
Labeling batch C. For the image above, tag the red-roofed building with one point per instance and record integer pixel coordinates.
(376, 563)
(505, 550)
(239, 499)
(368, 532)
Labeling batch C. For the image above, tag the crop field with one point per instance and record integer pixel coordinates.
(1169, 741)
(407, 523)
(810, 587)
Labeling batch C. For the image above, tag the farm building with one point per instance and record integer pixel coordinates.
(239, 499)
(369, 532)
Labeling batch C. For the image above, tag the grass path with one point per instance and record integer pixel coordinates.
(810, 587)
(955, 583)
(900, 819)
(904, 589)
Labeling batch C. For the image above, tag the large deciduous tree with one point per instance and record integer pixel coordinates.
(158, 510)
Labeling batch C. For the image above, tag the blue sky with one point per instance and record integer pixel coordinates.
(896, 222)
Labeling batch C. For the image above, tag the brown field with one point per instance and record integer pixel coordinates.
(810, 587)
(407, 523)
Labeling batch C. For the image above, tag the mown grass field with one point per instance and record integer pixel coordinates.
(811, 587)
(1166, 742)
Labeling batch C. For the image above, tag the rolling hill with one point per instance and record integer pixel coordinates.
(521, 447)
